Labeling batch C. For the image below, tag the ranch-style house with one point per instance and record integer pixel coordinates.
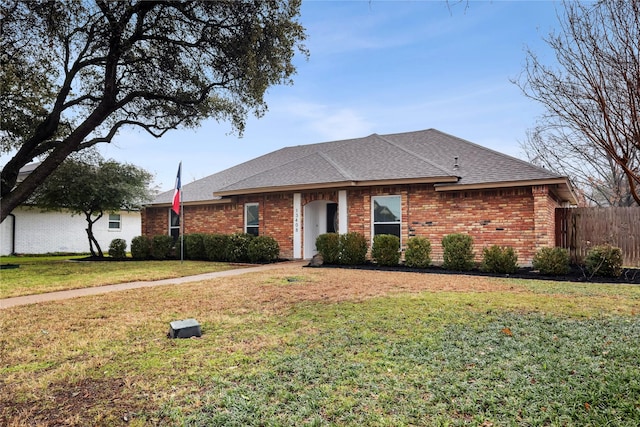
(424, 183)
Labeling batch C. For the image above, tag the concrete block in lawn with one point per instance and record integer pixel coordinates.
(184, 329)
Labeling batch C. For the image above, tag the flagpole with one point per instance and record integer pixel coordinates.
(181, 218)
(177, 207)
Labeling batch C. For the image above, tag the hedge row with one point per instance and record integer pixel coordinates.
(351, 249)
(238, 247)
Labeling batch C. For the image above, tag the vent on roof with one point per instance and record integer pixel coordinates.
(455, 163)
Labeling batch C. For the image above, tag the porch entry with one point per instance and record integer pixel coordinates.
(320, 217)
(316, 218)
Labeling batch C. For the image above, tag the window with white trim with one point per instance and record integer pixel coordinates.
(115, 222)
(386, 214)
(251, 219)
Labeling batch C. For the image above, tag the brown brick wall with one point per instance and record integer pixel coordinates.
(493, 217)
(500, 217)
(545, 208)
(275, 221)
(522, 218)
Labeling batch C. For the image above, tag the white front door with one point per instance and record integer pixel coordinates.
(312, 226)
(315, 224)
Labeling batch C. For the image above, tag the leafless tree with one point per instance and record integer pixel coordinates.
(590, 130)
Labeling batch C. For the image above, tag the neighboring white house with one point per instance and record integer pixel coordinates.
(31, 231)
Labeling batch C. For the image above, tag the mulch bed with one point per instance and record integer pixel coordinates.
(629, 276)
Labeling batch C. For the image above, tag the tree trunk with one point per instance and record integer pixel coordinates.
(91, 237)
(12, 197)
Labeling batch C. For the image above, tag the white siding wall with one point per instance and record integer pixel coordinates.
(43, 232)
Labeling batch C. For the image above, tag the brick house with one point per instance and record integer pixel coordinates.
(425, 183)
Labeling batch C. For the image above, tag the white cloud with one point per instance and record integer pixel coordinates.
(329, 122)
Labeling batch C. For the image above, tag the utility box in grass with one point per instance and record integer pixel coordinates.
(184, 329)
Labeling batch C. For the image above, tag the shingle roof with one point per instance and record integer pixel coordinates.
(427, 155)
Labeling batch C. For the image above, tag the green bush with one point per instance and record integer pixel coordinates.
(458, 252)
(161, 246)
(215, 247)
(118, 249)
(386, 249)
(604, 260)
(551, 261)
(263, 249)
(193, 247)
(141, 247)
(238, 247)
(499, 259)
(328, 245)
(418, 253)
(353, 249)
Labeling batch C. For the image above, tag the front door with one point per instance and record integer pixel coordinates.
(319, 217)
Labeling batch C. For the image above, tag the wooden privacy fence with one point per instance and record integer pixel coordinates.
(580, 229)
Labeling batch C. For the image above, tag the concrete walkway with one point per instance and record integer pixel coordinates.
(74, 293)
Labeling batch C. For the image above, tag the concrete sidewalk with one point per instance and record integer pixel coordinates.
(74, 293)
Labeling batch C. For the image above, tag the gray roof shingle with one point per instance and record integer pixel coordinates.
(427, 154)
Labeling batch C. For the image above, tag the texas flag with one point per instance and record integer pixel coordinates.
(176, 195)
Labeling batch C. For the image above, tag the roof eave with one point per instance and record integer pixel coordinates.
(562, 189)
(338, 184)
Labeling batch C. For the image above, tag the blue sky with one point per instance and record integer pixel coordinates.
(377, 67)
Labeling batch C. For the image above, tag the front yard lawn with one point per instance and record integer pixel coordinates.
(37, 275)
(328, 347)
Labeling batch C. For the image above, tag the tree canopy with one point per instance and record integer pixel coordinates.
(93, 187)
(590, 130)
(75, 72)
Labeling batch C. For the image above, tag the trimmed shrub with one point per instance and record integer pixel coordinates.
(118, 249)
(141, 247)
(499, 259)
(386, 249)
(215, 247)
(353, 249)
(418, 253)
(328, 245)
(161, 246)
(551, 261)
(604, 260)
(238, 247)
(193, 247)
(263, 249)
(458, 252)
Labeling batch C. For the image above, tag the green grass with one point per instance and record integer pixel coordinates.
(504, 357)
(40, 274)
(398, 362)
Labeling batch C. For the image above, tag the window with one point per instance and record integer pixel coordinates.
(251, 219)
(174, 224)
(115, 222)
(386, 215)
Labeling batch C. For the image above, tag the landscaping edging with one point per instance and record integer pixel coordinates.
(630, 276)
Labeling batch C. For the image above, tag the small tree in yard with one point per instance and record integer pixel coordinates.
(91, 188)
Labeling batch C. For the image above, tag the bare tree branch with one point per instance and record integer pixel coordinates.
(591, 128)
